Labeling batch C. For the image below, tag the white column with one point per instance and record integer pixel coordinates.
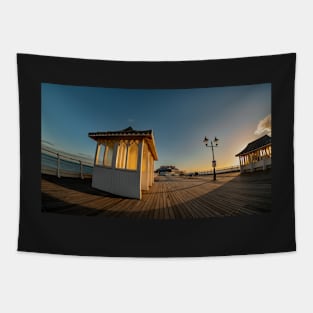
(98, 148)
(144, 168)
(148, 169)
(151, 170)
(139, 162)
(114, 155)
(150, 166)
(140, 154)
(241, 164)
(264, 164)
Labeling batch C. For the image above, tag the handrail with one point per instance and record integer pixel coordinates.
(234, 167)
(63, 156)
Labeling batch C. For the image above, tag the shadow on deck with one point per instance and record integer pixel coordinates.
(169, 197)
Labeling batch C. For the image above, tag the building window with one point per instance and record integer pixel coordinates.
(108, 155)
(100, 154)
(126, 155)
(121, 155)
(132, 156)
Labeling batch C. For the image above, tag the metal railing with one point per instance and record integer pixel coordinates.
(61, 172)
(229, 169)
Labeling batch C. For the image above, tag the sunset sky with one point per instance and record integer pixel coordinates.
(179, 118)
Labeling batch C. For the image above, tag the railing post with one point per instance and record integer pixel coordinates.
(58, 166)
(264, 165)
(81, 170)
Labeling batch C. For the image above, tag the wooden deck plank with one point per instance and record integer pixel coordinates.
(168, 198)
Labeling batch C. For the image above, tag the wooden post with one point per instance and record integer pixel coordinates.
(81, 170)
(58, 166)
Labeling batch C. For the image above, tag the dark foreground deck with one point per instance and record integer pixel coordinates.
(169, 197)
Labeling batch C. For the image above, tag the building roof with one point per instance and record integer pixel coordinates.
(128, 133)
(256, 144)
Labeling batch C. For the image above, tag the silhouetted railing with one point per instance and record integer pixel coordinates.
(230, 169)
(61, 165)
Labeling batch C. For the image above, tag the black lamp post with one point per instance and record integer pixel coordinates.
(212, 146)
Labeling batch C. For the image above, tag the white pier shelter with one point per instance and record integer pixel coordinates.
(257, 155)
(124, 161)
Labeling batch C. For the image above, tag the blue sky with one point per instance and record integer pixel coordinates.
(180, 118)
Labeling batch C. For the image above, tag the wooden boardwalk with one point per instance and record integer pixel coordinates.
(169, 198)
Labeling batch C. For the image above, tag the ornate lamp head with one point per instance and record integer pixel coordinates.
(206, 140)
(216, 141)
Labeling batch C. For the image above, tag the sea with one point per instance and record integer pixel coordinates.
(49, 162)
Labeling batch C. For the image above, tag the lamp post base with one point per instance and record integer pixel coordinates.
(214, 174)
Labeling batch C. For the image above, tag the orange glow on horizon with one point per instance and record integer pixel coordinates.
(225, 156)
